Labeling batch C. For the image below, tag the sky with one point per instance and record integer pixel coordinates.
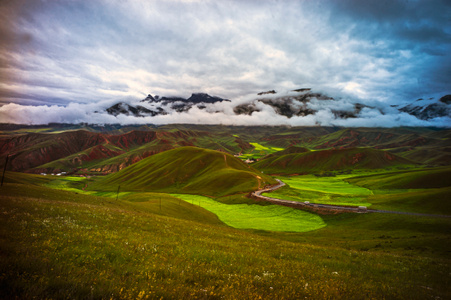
(59, 57)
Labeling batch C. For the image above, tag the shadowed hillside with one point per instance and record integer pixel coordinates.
(187, 170)
(423, 145)
(416, 179)
(289, 150)
(329, 160)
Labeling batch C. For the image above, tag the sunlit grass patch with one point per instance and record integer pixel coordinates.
(270, 218)
(269, 149)
(327, 190)
(65, 182)
(260, 151)
(335, 185)
(287, 193)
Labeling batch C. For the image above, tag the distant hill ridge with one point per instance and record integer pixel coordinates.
(103, 150)
(71, 150)
(329, 160)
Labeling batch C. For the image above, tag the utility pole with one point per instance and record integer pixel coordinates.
(4, 169)
(117, 195)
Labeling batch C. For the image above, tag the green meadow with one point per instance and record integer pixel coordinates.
(260, 151)
(258, 217)
(418, 191)
(259, 147)
(324, 190)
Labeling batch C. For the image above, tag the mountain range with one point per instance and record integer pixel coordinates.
(161, 105)
(300, 102)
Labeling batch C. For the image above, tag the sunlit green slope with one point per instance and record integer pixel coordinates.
(187, 170)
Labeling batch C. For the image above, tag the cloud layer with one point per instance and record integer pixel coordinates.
(82, 53)
(379, 114)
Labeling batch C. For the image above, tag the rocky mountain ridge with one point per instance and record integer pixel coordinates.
(426, 111)
(163, 105)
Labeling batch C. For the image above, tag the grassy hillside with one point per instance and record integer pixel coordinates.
(413, 179)
(187, 170)
(60, 244)
(426, 190)
(69, 237)
(429, 155)
(329, 160)
(92, 152)
(289, 150)
(104, 150)
(80, 159)
(423, 145)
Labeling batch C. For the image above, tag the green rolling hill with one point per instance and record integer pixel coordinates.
(187, 170)
(289, 150)
(424, 145)
(415, 179)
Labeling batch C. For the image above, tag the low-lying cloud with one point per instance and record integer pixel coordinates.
(374, 114)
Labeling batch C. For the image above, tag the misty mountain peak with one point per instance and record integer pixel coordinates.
(266, 93)
(149, 98)
(429, 109)
(204, 98)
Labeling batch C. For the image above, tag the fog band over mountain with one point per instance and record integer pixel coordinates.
(285, 108)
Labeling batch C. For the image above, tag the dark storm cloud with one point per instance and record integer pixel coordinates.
(415, 35)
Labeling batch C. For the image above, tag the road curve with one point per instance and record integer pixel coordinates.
(317, 206)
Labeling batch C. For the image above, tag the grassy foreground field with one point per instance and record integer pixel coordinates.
(60, 241)
(60, 244)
